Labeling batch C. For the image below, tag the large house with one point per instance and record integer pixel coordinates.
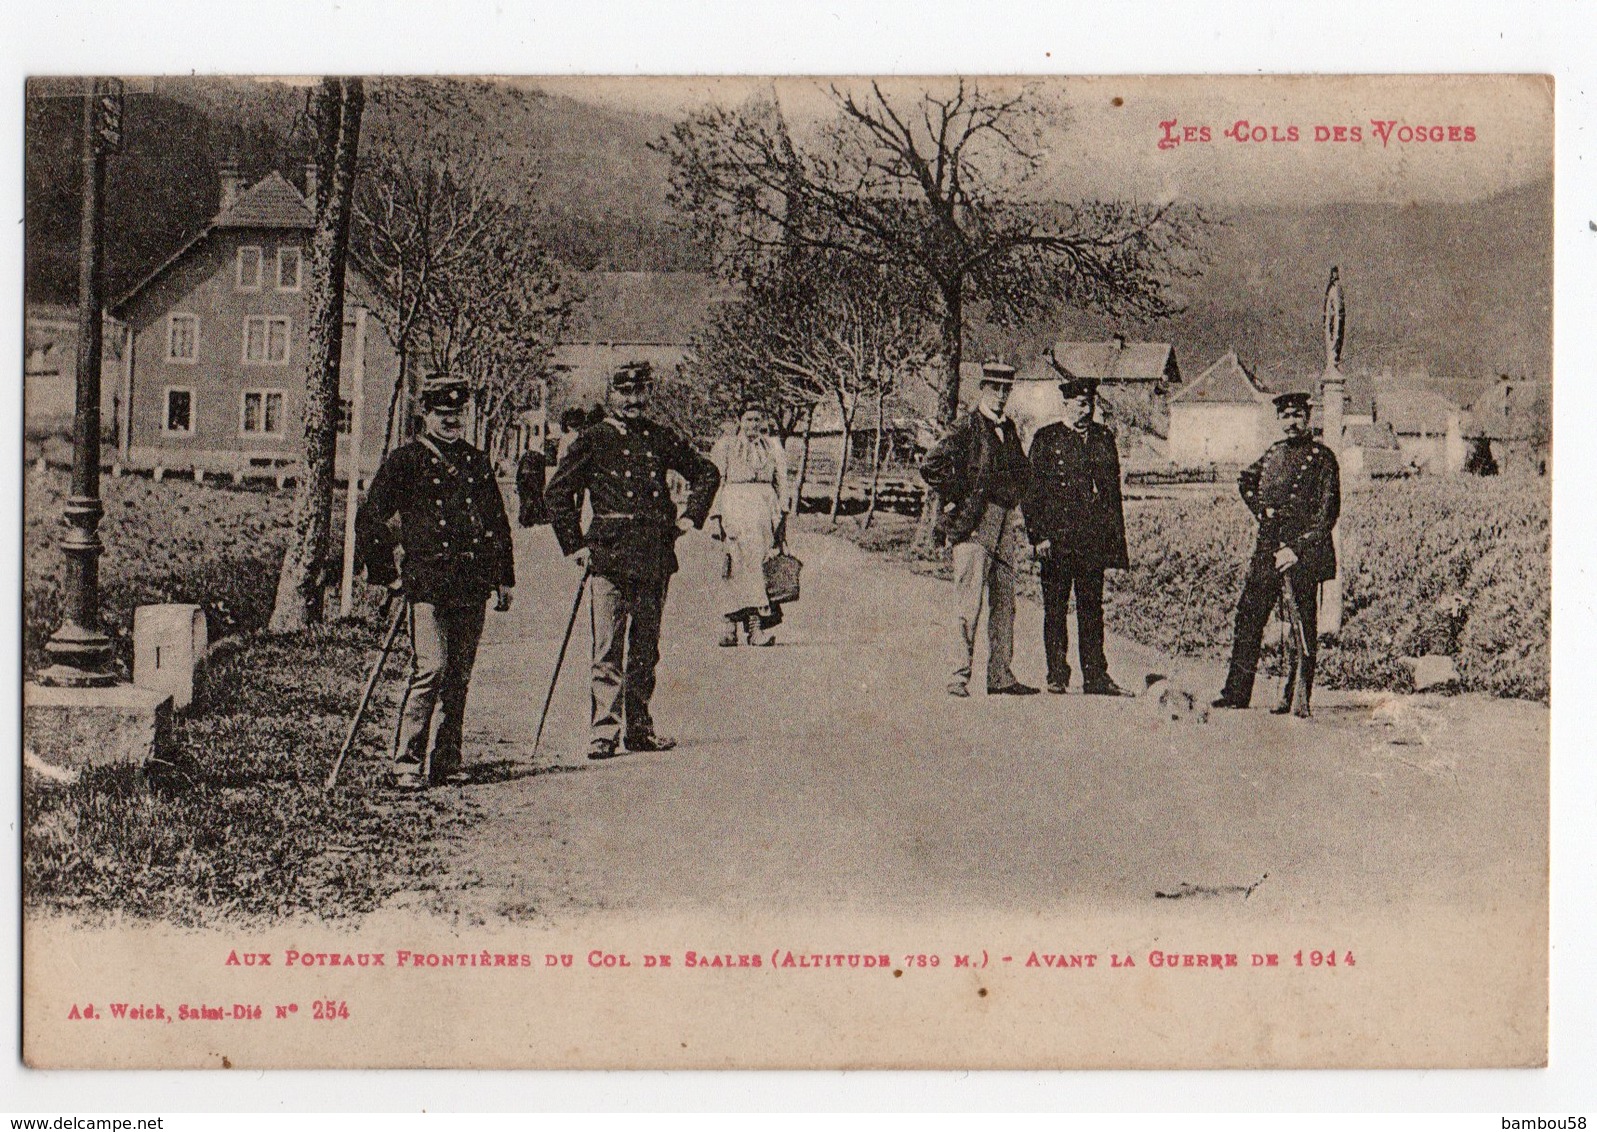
(213, 373)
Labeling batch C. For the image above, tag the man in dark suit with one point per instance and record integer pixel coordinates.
(1294, 491)
(979, 473)
(620, 463)
(531, 470)
(456, 541)
(1078, 530)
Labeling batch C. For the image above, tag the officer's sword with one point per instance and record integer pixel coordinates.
(1300, 692)
(561, 659)
(366, 696)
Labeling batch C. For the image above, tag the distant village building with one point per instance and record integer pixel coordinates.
(1512, 418)
(1428, 427)
(1223, 417)
(50, 367)
(214, 378)
(651, 316)
(1118, 362)
(1136, 379)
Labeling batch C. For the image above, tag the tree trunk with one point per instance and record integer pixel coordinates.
(301, 583)
(953, 337)
(876, 458)
(804, 459)
(842, 459)
(391, 434)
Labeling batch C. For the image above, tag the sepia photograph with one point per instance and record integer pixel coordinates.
(775, 572)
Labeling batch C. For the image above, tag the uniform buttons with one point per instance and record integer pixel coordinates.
(440, 522)
(628, 475)
(446, 544)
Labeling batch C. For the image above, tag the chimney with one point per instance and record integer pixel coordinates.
(1119, 341)
(231, 183)
(310, 183)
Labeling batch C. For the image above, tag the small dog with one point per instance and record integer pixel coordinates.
(1172, 698)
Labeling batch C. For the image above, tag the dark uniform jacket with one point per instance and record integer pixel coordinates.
(452, 524)
(976, 464)
(530, 474)
(1294, 491)
(622, 468)
(1074, 500)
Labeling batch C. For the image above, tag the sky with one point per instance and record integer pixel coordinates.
(1101, 137)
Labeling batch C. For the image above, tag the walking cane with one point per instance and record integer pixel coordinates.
(561, 659)
(366, 696)
(1300, 691)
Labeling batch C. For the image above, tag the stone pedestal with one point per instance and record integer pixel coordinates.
(95, 726)
(169, 645)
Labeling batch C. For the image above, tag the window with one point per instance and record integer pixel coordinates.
(262, 413)
(249, 269)
(266, 340)
(177, 410)
(288, 263)
(183, 338)
(345, 414)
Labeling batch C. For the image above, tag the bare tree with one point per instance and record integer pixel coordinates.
(495, 317)
(338, 103)
(828, 328)
(425, 210)
(936, 187)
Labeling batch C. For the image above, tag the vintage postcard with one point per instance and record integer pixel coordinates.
(962, 571)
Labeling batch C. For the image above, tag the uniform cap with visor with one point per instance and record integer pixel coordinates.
(632, 375)
(442, 391)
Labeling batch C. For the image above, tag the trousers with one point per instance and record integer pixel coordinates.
(1059, 577)
(1259, 594)
(980, 571)
(626, 648)
(443, 651)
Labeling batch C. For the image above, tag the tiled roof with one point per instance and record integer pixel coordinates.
(269, 203)
(1226, 382)
(1117, 361)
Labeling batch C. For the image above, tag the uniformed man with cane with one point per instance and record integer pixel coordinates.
(456, 541)
(629, 549)
(1294, 491)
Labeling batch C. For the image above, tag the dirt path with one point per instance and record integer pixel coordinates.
(833, 772)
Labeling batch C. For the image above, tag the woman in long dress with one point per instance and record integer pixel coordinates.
(752, 503)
